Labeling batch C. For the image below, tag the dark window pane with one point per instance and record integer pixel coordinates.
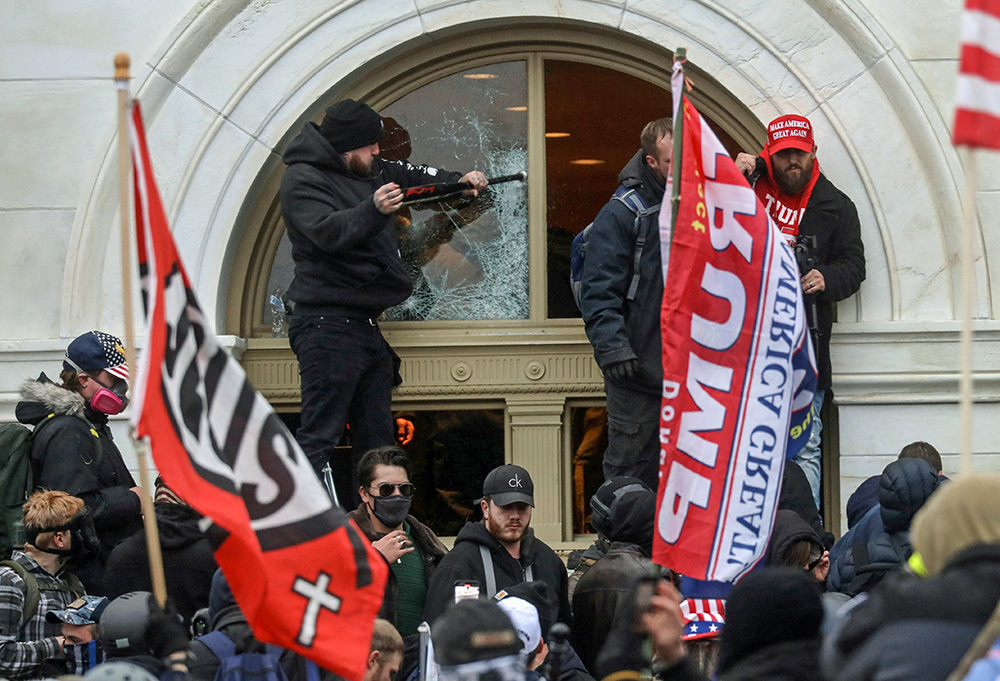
(603, 111)
(589, 438)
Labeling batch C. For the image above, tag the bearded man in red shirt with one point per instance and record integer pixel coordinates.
(821, 224)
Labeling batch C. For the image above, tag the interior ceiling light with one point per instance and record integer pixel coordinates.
(587, 161)
(479, 76)
(557, 134)
(517, 108)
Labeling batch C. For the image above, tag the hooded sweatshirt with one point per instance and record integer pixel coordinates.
(346, 252)
(465, 562)
(187, 561)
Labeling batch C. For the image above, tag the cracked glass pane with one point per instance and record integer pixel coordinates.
(468, 258)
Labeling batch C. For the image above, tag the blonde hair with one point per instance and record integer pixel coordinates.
(385, 639)
(50, 508)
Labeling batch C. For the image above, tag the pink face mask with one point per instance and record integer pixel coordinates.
(111, 400)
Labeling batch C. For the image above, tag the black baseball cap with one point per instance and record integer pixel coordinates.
(509, 484)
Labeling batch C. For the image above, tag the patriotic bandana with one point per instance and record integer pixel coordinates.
(786, 132)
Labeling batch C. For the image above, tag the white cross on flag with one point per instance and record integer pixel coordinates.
(977, 102)
(304, 576)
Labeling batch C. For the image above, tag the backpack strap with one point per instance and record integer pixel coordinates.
(220, 644)
(491, 578)
(529, 574)
(634, 202)
(32, 596)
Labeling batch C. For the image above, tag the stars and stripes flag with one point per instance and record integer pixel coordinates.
(977, 102)
(301, 571)
(738, 368)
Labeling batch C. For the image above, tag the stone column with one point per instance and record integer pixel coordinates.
(536, 445)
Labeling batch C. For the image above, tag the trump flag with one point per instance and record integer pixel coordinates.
(738, 372)
(304, 576)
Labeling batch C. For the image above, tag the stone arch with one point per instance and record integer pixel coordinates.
(237, 78)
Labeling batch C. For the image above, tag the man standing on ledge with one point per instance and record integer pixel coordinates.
(338, 201)
(804, 203)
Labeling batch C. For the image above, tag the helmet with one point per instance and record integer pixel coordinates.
(118, 670)
(604, 501)
(122, 629)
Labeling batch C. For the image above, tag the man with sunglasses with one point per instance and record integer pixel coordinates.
(72, 446)
(411, 548)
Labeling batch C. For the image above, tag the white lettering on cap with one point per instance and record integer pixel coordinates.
(515, 481)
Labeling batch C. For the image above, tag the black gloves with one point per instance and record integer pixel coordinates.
(164, 633)
(622, 371)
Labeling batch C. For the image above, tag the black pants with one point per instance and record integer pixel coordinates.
(633, 434)
(347, 372)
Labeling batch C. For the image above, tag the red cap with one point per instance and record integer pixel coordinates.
(790, 132)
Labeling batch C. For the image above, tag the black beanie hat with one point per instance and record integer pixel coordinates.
(473, 630)
(769, 606)
(351, 125)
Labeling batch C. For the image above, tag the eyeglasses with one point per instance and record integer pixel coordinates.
(405, 488)
(811, 566)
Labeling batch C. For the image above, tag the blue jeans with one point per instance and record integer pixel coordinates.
(809, 457)
(347, 375)
(633, 434)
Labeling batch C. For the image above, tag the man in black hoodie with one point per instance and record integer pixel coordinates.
(621, 308)
(500, 551)
(338, 201)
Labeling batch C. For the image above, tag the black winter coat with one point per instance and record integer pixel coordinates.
(346, 252)
(832, 218)
(65, 457)
(465, 561)
(605, 593)
(187, 561)
(620, 329)
(881, 540)
(916, 628)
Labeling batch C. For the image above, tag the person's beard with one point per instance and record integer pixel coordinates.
(793, 186)
(360, 167)
(503, 533)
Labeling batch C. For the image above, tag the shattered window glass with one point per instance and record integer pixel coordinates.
(468, 259)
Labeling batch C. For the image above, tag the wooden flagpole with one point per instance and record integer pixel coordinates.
(966, 264)
(122, 78)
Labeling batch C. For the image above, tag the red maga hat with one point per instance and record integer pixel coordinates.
(790, 132)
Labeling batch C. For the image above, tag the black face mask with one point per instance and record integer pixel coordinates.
(391, 511)
(84, 546)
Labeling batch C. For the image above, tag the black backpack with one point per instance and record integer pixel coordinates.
(578, 251)
(17, 479)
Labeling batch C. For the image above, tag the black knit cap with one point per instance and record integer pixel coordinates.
(769, 606)
(473, 630)
(351, 125)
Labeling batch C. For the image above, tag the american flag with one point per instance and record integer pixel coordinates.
(977, 102)
(703, 617)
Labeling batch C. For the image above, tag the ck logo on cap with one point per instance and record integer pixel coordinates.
(515, 481)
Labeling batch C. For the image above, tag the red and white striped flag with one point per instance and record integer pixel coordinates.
(977, 102)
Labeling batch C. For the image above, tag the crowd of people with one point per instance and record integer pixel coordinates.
(908, 592)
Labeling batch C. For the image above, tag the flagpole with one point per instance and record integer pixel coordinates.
(680, 56)
(122, 77)
(965, 350)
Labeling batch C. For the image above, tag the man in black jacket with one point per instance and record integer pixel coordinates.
(73, 449)
(188, 561)
(621, 313)
(823, 222)
(501, 550)
(338, 201)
